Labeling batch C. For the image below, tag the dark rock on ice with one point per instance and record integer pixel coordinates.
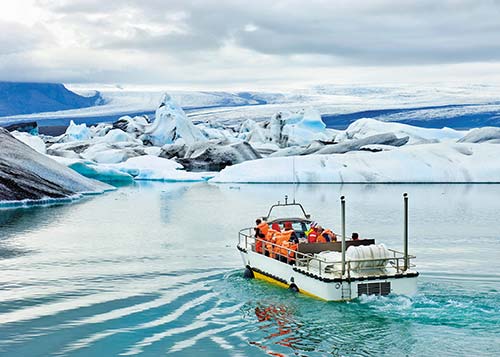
(28, 175)
(356, 144)
(482, 135)
(212, 155)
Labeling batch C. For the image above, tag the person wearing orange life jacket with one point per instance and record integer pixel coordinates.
(325, 235)
(288, 242)
(280, 237)
(261, 230)
(313, 236)
(311, 228)
(271, 239)
(329, 235)
(321, 238)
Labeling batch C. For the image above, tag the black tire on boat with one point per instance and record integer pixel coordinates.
(248, 274)
(293, 288)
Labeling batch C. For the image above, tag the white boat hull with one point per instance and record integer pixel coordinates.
(321, 287)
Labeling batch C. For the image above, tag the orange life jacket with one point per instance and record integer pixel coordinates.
(321, 239)
(285, 239)
(289, 253)
(333, 236)
(263, 229)
(279, 239)
(271, 238)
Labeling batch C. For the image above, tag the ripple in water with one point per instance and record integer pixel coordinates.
(150, 270)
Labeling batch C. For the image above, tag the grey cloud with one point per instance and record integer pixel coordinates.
(16, 38)
(369, 33)
(160, 34)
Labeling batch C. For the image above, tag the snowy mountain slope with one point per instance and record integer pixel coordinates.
(460, 107)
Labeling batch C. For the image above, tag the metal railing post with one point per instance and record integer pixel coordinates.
(405, 249)
(342, 204)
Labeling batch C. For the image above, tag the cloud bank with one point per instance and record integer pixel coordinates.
(231, 43)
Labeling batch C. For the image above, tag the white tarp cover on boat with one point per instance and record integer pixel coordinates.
(373, 251)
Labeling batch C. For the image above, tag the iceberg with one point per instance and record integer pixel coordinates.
(308, 128)
(29, 176)
(95, 171)
(363, 128)
(76, 132)
(171, 124)
(431, 163)
(118, 136)
(212, 155)
(487, 134)
(33, 141)
(388, 139)
(154, 168)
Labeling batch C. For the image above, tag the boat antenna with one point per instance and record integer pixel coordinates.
(342, 211)
(405, 234)
(294, 173)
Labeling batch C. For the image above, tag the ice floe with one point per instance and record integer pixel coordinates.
(431, 163)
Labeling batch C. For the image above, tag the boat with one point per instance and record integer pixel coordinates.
(334, 271)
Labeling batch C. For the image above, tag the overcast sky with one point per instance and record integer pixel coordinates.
(237, 44)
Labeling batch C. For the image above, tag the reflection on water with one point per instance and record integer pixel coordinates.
(152, 269)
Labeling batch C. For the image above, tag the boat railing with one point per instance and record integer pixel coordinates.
(303, 260)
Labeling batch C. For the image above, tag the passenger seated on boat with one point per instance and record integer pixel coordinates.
(312, 237)
(311, 228)
(289, 228)
(355, 236)
(260, 233)
(286, 241)
(321, 238)
(326, 235)
(270, 239)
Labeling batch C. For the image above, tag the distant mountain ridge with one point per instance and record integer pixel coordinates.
(27, 98)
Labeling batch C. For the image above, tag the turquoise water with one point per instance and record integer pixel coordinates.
(152, 269)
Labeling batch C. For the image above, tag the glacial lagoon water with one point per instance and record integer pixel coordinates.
(151, 269)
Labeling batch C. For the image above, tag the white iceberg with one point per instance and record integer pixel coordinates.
(431, 163)
(171, 124)
(154, 168)
(363, 128)
(487, 134)
(117, 136)
(33, 141)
